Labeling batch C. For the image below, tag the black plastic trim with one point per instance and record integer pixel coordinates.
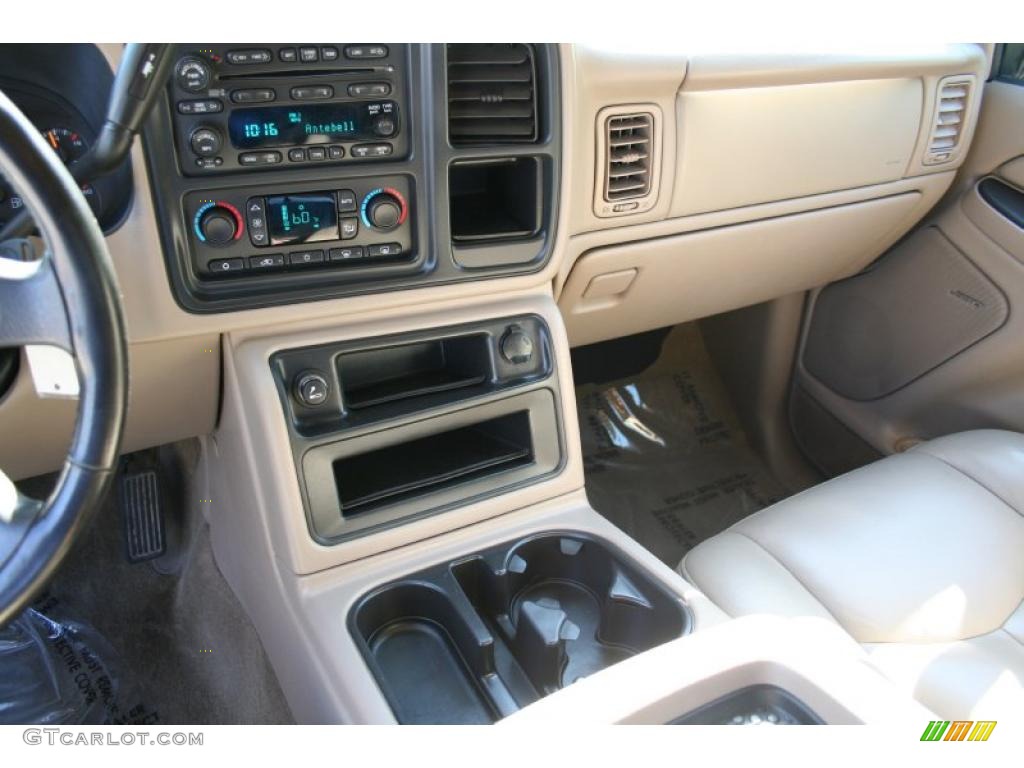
(1008, 201)
(427, 164)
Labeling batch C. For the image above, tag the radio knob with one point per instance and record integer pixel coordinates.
(218, 225)
(205, 141)
(385, 211)
(193, 74)
(384, 126)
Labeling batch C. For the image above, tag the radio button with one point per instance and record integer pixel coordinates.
(309, 93)
(253, 95)
(349, 228)
(384, 250)
(249, 56)
(193, 74)
(308, 55)
(359, 90)
(297, 155)
(226, 265)
(302, 258)
(287, 55)
(270, 261)
(353, 253)
(329, 53)
(259, 158)
(372, 150)
(347, 201)
(317, 153)
(335, 153)
(200, 106)
(205, 142)
(366, 51)
(384, 126)
(209, 162)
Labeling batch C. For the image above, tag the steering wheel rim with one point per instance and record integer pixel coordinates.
(76, 278)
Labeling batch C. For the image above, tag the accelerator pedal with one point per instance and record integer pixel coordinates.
(144, 532)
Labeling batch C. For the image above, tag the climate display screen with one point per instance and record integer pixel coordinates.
(294, 126)
(309, 218)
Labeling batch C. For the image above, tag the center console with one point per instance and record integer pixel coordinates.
(293, 173)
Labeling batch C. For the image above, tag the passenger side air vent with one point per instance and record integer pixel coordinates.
(492, 94)
(951, 112)
(628, 145)
(629, 157)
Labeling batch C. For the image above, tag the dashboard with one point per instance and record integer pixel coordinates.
(280, 187)
(300, 172)
(63, 89)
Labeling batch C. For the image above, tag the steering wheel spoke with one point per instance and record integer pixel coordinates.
(32, 305)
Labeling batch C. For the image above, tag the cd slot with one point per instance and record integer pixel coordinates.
(291, 74)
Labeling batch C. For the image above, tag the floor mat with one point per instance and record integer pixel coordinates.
(186, 651)
(664, 455)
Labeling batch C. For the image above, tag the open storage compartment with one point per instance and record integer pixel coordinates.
(367, 481)
(388, 374)
(479, 638)
(495, 199)
(383, 478)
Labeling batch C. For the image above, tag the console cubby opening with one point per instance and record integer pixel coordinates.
(494, 200)
(369, 481)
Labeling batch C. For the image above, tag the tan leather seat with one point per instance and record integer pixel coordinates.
(919, 557)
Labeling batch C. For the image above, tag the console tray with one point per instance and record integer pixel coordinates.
(474, 640)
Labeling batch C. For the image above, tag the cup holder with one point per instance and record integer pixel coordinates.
(475, 640)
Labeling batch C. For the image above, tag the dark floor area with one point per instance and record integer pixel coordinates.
(185, 652)
(664, 454)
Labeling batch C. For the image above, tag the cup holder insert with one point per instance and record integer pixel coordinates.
(509, 625)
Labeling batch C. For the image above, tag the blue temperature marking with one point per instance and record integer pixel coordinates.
(195, 222)
(366, 201)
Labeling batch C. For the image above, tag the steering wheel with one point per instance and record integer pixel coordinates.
(68, 299)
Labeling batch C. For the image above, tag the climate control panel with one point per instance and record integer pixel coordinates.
(362, 223)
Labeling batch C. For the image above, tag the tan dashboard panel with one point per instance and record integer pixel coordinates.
(746, 146)
(685, 277)
(174, 392)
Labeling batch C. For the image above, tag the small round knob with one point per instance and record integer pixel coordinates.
(205, 141)
(218, 225)
(193, 74)
(384, 126)
(384, 212)
(516, 346)
(311, 388)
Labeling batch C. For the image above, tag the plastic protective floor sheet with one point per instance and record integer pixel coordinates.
(664, 455)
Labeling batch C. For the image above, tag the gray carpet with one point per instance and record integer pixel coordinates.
(664, 455)
(186, 652)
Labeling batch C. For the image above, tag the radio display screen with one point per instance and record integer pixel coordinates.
(294, 126)
(307, 218)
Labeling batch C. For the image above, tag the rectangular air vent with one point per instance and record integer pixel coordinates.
(951, 111)
(628, 153)
(492, 94)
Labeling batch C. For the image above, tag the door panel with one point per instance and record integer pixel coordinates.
(946, 304)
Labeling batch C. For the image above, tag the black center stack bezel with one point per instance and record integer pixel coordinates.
(412, 80)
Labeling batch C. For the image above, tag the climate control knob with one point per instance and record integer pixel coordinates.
(384, 209)
(218, 224)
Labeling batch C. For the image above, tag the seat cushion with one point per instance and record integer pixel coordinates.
(923, 550)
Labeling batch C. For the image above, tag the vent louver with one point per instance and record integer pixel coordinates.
(628, 156)
(492, 94)
(950, 118)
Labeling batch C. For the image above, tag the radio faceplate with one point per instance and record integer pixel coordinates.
(243, 107)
